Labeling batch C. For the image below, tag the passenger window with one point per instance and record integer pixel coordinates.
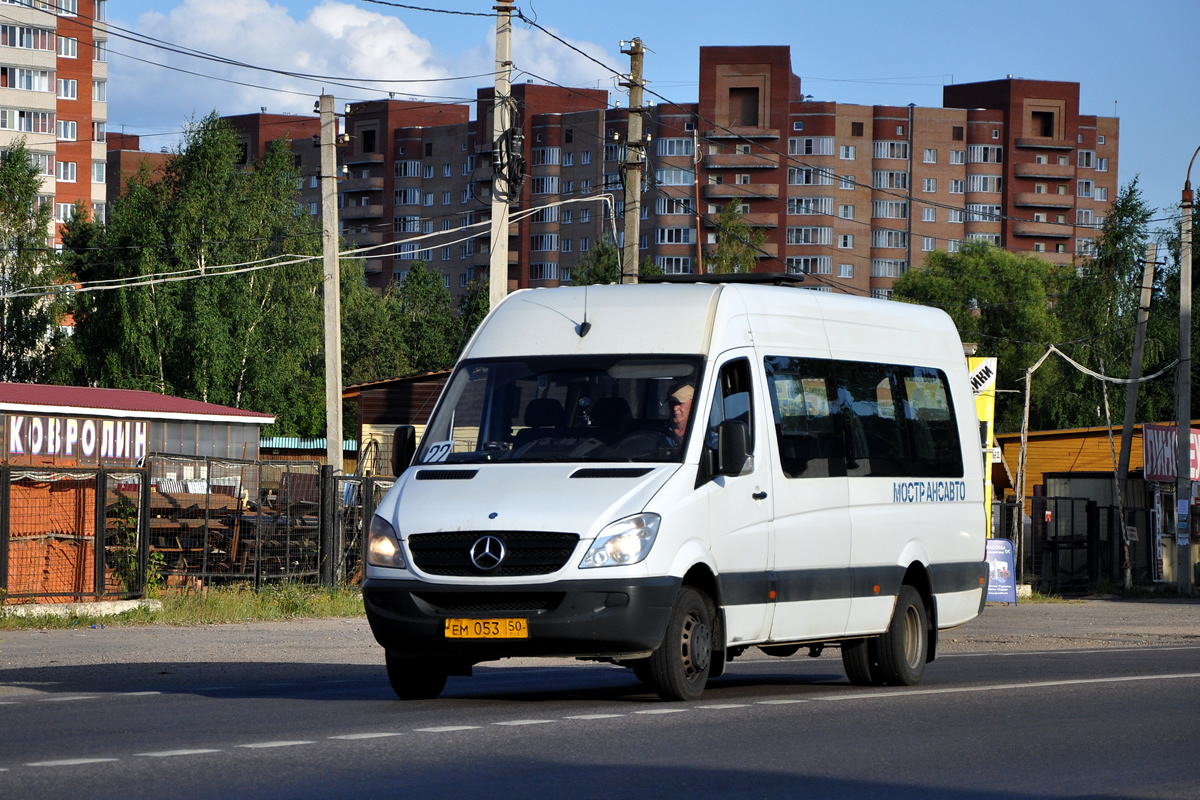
(731, 401)
(933, 433)
(809, 443)
(874, 439)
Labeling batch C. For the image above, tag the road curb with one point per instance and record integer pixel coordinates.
(104, 608)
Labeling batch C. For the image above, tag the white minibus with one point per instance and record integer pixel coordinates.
(665, 476)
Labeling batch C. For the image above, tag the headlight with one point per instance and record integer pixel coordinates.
(383, 546)
(626, 541)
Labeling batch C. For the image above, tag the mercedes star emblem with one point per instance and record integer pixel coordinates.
(487, 553)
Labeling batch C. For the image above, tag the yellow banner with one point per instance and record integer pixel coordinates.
(983, 385)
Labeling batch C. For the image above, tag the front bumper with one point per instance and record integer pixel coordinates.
(605, 618)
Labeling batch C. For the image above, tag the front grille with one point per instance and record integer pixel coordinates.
(446, 474)
(526, 553)
(489, 602)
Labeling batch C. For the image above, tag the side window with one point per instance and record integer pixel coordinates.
(932, 430)
(874, 435)
(802, 401)
(731, 401)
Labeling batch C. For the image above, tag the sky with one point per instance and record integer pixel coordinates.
(1131, 59)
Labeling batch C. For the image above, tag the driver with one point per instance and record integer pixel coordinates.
(680, 402)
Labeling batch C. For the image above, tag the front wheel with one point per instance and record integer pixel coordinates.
(902, 648)
(414, 679)
(679, 668)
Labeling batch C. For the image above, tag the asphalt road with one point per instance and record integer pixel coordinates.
(1100, 699)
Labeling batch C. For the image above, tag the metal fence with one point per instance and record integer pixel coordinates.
(179, 522)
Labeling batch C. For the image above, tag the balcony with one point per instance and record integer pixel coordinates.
(741, 133)
(1035, 200)
(753, 219)
(726, 191)
(768, 250)
(364, 239)
(1043, 230)
(362, 184)
(1045, 143)
(361, 212)
(1057, 171)
(741, 161)
(363, 158)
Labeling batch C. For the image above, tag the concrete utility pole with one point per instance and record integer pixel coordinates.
(635, 156)
(331, 286)
(1183, 392)
(501, 122)
(1135, 367)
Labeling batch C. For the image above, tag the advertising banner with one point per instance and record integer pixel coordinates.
(1160, 452)
(983, 386)
(36, 440)
(1002, 574)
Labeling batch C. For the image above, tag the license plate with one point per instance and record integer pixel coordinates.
(507, 628)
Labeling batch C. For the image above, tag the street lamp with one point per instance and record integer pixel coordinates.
(1183, 392)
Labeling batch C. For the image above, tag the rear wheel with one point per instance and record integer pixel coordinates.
(414, 679)
(903, 647)
(679, 668)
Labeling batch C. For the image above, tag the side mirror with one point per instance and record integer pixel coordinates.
(733, 447)
(404, 446)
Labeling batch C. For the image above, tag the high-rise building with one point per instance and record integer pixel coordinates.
(53, 94)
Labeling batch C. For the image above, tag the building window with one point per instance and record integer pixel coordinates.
(889, 179)
(891, 150)
(929, 185)
(585, 216)
(881, 294)
(957, 186)
(811, 146)
(929, 214)
(886, 237)
(66, 130)
(805, 206)
(984, 183)
(846, 152)
(809, 176)
(65, 171)
(64, 212)
(543, 271)
(1084, 188)
(955, 215)
(408, 169)
(985, 154)
(928, 244)
(100, 50)
(68, 47)
(889, 209)
(810, 235)
(674, 235)
(428, 171)
(856, 129)
(568, 159)
(676, 146)
(846, 212)
(845, 271)
(930, 156)
(1087, 159)
(845, 241)
(673, 205)
(810, 265)
(1101, 165)
(798, 125)
(543, 156)
(674, 265)
(98, 171)
(1101, 194)
(584, 244)
(957, 133)
(446, 198)
(674, 176)
(544, 184)
(543, 242)
(68, 89)
(1100, 139)
(846, 181)
(888, 267)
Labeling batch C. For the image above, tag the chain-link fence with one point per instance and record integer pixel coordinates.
(357, 498)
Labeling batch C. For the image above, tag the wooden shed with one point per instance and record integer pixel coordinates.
(382, 405)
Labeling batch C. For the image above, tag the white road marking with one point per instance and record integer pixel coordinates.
(662, 711)
(69, 762)
(516, 722)
(721, 706)
(447, 728)
(779, 702)
(1070, 652)
(169, 753)
(68, 697)
(352, 736)
(595, 716)
(140, 694)
(259, 745)
(1001, 687)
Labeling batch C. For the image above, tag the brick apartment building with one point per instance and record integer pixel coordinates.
(53, 94)
(850, 195)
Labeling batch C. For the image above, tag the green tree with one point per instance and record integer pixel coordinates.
(601, 264)
(1001, 301)
(372, 347)
(738, 244)
(1098, 310)
(250, 339)
(28, 314)
(472, 308)
(428, 326)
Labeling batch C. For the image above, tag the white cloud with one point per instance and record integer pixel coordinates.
(333, 39)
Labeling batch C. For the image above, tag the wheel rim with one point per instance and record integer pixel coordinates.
(912, 637)
(696, 644)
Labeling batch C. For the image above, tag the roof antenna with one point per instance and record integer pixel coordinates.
(585, 326)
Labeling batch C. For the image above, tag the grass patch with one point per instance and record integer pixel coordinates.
(224, 604)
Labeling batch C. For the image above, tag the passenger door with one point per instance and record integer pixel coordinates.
(739, 506)
(812, 531)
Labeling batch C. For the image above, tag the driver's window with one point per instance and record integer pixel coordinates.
(731, 401)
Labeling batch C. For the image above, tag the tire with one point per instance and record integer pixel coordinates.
(904, 646)
(679, 668)
(641, 670)
(858, 661)
(413, 679)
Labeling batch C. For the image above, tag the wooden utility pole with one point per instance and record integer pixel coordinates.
(1183, 394)
(501, 156)
(635, 156)
(331, 286)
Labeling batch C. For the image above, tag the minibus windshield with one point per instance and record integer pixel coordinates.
(565, 408)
